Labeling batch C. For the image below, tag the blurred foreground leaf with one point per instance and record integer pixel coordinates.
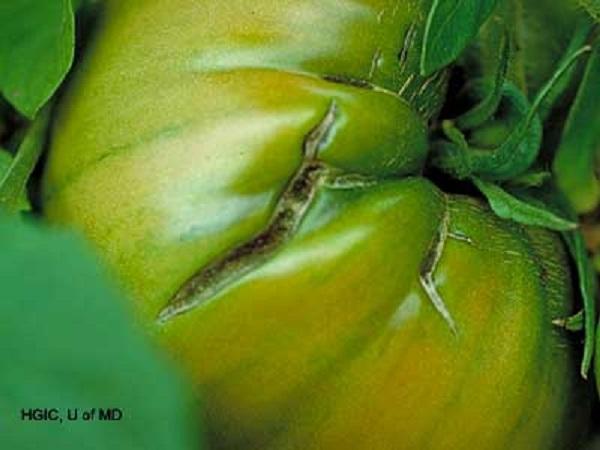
(68, 343)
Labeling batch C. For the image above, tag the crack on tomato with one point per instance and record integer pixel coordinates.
(429, 266)
(343, 181)
(350, 81)
(291, 208)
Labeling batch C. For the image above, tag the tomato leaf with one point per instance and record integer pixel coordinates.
(36, 50)
(575, 160)
(509, 206)
(69, 343)
(451, 24)
(14, 180)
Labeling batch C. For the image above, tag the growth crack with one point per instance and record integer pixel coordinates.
(429, 267)
(288, 214)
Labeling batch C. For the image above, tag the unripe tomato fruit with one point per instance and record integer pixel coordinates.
(251, 169)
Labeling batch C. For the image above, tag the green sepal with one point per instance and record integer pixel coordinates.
(588, 288)
(519, 150)
(484, 110)
(511, 158)
(522, 208)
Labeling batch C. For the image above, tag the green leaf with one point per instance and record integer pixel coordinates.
(451, 25)
(575, 161)
(14, 179)
(509, 206)
(484, 110)
(515, 155)
(588, 287)
(36, 50)
(69, 342)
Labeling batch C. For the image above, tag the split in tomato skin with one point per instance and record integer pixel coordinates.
(168, 164)
(393, 316)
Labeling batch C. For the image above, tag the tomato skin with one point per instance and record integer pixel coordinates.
(174, 145)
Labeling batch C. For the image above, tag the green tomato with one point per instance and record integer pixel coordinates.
(251, 174)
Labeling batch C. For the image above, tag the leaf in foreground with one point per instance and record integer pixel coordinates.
(67, 342)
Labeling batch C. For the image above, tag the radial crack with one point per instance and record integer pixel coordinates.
(349, 81)
(429, 267)
(288, 214)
